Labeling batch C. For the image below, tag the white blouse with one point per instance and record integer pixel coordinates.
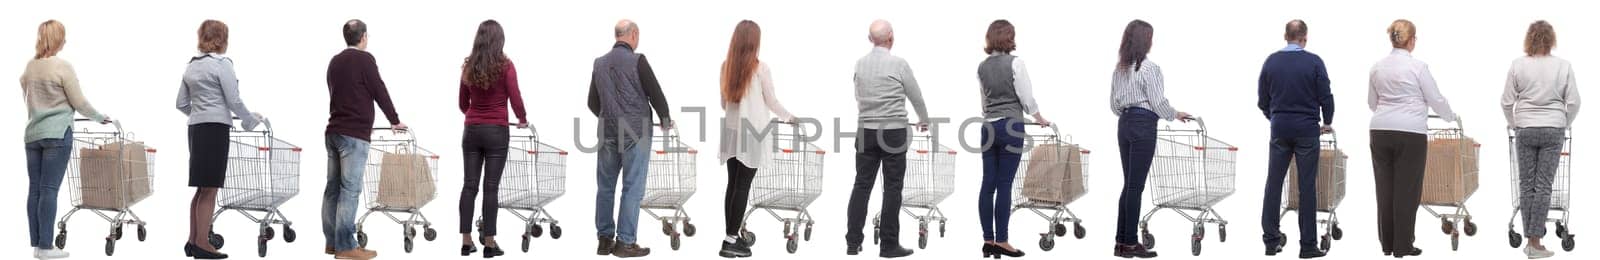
(1401, 92)
(759, 99)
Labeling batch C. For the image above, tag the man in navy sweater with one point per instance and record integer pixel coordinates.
(1294, 95)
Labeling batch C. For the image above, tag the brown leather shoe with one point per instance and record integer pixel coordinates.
(356, 254)
(327, 250)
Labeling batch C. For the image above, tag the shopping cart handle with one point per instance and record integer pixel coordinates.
(1053, 129)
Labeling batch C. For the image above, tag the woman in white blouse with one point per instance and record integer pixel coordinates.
(1540, 102)
(1400, 94)
(747, 96)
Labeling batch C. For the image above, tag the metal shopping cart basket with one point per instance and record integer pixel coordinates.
(1330, 191)
(790, 181)
(930, 178)
(1560, 195)
(671, 184)
(1054, 209)
(399, 180)
(263, 173)
(1192, 171)
(535, 175)
(1451, 178)
(110, 171)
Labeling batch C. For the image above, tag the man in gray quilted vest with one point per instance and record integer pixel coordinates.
(622, 93)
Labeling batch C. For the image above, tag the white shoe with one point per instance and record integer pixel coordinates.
(1534, 253)
(49, 254)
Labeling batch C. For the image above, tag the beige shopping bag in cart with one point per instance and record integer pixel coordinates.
(1452, 171)
(405, 181)
(1330, 181)
(1055, 173)
(104, 184)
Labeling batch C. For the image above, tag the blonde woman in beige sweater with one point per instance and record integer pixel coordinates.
(50, 89)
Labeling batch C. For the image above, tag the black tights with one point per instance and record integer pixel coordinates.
(737, 197)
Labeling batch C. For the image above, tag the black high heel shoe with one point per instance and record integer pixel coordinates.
(190, 250)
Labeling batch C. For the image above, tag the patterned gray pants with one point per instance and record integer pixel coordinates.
(1538, 155)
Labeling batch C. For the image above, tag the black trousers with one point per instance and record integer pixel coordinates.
(483, 149)
(737, 198)
(876, 148)
(1398, 161)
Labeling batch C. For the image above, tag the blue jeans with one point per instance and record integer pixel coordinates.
(47, 164)
(1306, 152)
(1136, 144)
(630, 160)
(1001, 155)
(347, 159)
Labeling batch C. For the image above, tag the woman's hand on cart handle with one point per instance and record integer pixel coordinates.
(1038, 118)
(522, 125)
(1185, 117)
(922, 127)
(106, 120)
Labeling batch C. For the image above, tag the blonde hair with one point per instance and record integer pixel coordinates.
(1401, 33)
(1541, 39)
(52, 35)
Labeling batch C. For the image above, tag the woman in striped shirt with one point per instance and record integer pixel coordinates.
(1138, 101)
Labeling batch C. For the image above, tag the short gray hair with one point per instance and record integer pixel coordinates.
(626, 27)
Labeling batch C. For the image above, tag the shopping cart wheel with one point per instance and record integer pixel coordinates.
(1446, 226)
(111, 246)
(875, 238)
(408, 231)
(808, 232)
(1455, 242)
(941, 228)
(1471, 228)
(1327, 243)
(676, 241)
(1569, 244)
(526, 242)
(61, 240)
(794, 245)
(429, 233)
(555, 231)
(267, 232)
(288, 234)
(408, 244)
(261, 247)
(216, 240)
(1078, 231)
(1561, 230)
(1338, 233)
(116, 232)
(1149, 240)
(1194, 246)
(361, 238)
(536, 230)
(688, 229)
(788, 226)
(1516, 239)
(1222, 233)
(1047, 243)
(141, 233)
(666, 228)
(922, 240)
(1283, 239)
(1059, 229)
(747, 238)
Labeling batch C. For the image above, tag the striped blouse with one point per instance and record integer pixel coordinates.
(1141, 88)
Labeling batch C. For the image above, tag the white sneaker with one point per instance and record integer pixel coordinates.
(1534, 253)
(50, 254)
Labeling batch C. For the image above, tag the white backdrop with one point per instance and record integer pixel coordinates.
(129, 56)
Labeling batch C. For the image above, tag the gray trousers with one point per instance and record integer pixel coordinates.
(1538, 156)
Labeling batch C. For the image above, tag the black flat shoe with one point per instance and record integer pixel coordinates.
(852, 249)
(1315, 253)
(467, 250)
(1133, 251)
(988, 251)
(894, 252)
(1008, 253)
(191, 250)
(492, 251)
(1414, 252)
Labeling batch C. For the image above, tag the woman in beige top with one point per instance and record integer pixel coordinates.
(50, 89)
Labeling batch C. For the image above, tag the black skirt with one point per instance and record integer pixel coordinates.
(208, 155)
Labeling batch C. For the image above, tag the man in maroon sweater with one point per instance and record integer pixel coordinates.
(353, 86)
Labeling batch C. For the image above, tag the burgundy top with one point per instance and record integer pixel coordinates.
(353, 86)
(487, 106)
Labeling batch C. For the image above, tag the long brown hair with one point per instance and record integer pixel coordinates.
(487, 61)
(1136, 40)
(741, 63)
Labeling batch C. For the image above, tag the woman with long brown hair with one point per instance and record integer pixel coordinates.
(488, 82)
(1138, 99)
(747, 98)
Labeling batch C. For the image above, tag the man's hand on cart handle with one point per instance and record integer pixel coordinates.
(922, 127)
(399, 128)
(668, 125)
(1326, 129)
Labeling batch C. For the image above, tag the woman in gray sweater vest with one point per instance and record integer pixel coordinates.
(1007, 96)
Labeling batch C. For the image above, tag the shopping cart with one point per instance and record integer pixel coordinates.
(671, 184)
(1192, 171)
(1560, 195)
(1451, 178)
(399, 180)
(930, 178)
(1330, 191)
(110, 171)
(263, 173)
(1055, 213)
(790, 181)
(535, 175)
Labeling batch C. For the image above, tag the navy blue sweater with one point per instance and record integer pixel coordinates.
(1294, 92)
